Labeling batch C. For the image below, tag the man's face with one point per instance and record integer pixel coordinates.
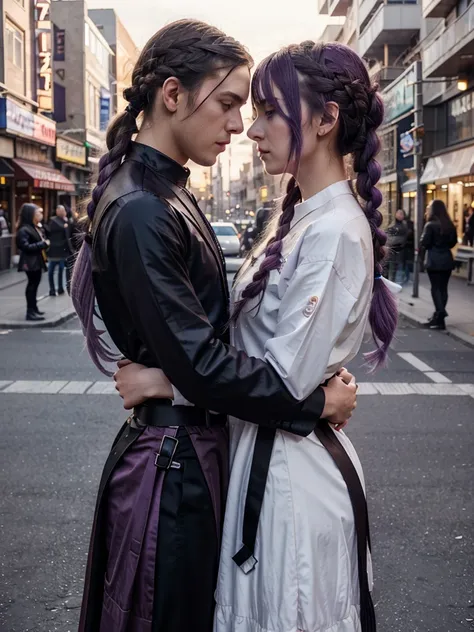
(203, 127)
(61, 212)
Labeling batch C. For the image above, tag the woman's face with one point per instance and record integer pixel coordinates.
(400, 215)
(38, 216)
(273, 136)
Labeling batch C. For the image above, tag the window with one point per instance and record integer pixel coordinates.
(92, 108)
(461, 118)
(224, 231)
(14, 44)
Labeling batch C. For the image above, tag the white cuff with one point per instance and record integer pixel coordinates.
(178, 399)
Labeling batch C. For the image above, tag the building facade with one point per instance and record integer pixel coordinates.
(125, 53)
(27, 129)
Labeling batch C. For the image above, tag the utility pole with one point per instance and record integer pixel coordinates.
(417, 158)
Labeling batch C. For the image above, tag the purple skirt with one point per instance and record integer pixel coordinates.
(120, 590)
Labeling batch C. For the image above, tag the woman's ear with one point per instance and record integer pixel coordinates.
(329, 118)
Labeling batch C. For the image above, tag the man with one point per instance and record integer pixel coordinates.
(4, 230)
(58, 232)
(160, 282)
(397, 235)
(469, 227)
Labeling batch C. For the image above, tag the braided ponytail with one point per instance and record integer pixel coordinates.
(189, 50)
(383, 308)
(272, 259)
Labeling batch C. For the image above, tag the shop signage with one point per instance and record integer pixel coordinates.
(17, 120)
(406, 142)
(104, 109)
(59, 44)
(44, 48)
(70, 152)
(399, 96)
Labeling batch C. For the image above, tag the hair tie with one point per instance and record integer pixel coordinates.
(133, 111)
(377, 277)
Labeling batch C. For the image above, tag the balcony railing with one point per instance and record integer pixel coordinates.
(449, 43)
(437, 8)
(394, 22)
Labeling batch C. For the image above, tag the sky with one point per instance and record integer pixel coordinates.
(261, 25)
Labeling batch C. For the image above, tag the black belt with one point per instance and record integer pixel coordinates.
(160, 414)
(245, 557)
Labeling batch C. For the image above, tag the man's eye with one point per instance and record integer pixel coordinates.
(226, 106)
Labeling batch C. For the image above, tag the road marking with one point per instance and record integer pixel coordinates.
(62, 331)
(439, 378)
(430, 373)
(394, 388)
(75, 388)
(102, 387)
(416, 362)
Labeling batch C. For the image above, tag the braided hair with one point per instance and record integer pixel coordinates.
(190, 51)
(319, 74)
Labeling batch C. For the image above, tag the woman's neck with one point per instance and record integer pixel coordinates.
(318, 173)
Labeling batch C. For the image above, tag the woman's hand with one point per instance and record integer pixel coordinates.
(136, 383)
(341, 399)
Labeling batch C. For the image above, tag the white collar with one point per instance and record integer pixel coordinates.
(321, 199)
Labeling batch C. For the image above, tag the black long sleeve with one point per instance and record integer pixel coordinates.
(148, 249)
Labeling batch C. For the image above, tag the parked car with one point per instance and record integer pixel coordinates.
(228, 238)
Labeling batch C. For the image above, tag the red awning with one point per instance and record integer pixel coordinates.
(44, 177)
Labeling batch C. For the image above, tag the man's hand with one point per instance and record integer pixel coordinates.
(137, 383)
(341, 399)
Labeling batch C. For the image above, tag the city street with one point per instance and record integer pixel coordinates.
(413, 430)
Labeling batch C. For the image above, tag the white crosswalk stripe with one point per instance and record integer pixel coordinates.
(102, 387)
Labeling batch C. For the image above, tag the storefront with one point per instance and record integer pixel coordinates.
(33, 178)
(71, 158)
(450, 177)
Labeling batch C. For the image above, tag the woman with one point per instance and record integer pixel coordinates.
(152, 261)
(302, 302)
(439, 236)
(32, 247)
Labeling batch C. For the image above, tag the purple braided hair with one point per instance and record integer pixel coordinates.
(189, 50)
(319, 74)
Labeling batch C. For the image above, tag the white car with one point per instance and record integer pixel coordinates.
(227, 237)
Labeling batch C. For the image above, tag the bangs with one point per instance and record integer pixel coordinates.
(262, 82)
(278, 72)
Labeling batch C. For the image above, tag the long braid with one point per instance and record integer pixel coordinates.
(383, 315)
(189, 50)
(273, 249)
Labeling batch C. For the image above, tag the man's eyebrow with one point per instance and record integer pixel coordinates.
(233, 95)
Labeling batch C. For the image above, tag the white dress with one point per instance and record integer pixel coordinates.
(311, 322)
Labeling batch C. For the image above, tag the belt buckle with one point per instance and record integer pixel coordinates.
(165, 455)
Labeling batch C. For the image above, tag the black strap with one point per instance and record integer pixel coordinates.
(262, 454)
(160, 414)
(361, 519)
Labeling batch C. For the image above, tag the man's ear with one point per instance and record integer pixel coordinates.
(170, 93)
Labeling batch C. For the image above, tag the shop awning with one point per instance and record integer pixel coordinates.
(43, 177)
(409, 186)
(449, 165)
(6, 170)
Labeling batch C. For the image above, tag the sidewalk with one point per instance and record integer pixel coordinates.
(460, 322)
(57, 309)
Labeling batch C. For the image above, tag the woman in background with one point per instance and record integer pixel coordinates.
(32, 246)
(439, 236)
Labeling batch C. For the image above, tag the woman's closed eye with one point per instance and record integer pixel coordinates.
(226, 106)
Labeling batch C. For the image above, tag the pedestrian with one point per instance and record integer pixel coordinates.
(58, 230)
(409, 250)
(151, 261)
(4, 228)
(302, 301)
(32, 246)
(439, 237)
(397, 235)
(469, 227)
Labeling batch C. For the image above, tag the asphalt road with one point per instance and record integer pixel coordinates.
(417, 451)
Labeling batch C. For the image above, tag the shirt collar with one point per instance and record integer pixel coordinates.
(162, 164)
(321, 199)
